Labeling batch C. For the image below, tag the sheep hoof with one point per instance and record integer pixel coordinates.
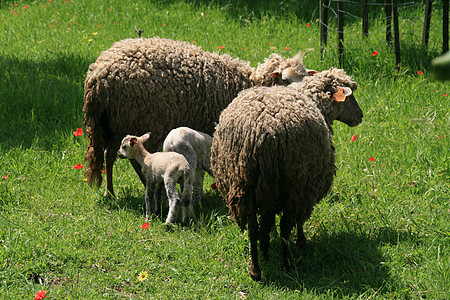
(301, 243)
(287, 264)
(255, 275)
(169, 226)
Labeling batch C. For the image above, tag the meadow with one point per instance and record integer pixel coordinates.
(382, 232)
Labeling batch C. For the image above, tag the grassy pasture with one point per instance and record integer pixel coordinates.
(382, 232)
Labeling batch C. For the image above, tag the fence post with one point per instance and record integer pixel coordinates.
(340, 24)
(388, 11)
(445, 27)
(396, 34)
(323, 11)
(365, 21)
(426, 23)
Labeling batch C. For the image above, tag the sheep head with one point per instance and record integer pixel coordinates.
(277, 70)
(345, 107)
(130, 146)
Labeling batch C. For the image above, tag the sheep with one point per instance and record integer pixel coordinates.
(160, 168)
(196, 148)
(272, 153)
(158, 84)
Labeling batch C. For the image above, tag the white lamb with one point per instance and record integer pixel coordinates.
(158, 168)
(196, 148)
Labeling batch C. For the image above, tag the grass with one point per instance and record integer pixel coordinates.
(382, 232)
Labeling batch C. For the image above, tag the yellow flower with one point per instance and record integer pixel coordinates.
(143, 276)
(95, 33)
(89, 40)
(273, 47)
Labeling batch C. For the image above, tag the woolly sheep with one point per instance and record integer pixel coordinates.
(158, 84)
(195, 146)
(161, 168)
(272, 153)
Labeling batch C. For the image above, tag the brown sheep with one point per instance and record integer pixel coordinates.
(156, 84)
(272, 153)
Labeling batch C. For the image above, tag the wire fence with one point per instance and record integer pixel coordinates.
(394, 23)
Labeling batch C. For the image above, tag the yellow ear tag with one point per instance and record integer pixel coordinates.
(339, 96)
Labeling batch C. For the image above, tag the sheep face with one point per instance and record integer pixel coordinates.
(128, 147)
(346, 107)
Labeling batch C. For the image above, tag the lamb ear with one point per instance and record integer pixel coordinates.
(311, 72)
(133, 141)
(145, 137)
(339, 96)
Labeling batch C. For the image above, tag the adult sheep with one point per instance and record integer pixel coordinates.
(155, 84)
(272, 153)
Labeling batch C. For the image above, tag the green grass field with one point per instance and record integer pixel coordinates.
(382, 232)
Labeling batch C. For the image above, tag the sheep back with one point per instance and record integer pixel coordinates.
(272, 145)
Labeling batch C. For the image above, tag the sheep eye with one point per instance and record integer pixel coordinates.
(285, 81)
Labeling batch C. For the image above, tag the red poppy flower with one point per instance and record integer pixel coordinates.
(374, 53)
(146, 225)
(445, 95)
(243, 49)
(270, 43)
(307, 24)
(78, 167)
(40, 295)
(16, 4)
(287, 48)
(164, 25)
(15, 13)
(193, 42)
(420, 72)
(371, 159)
(439, 137)
(214, 186)
(78, 132)
(221, 47)
(353, 138)
(5, 177)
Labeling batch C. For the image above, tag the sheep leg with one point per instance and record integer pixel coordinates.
(286, 224)
(266, 224)
(186, 190)
(148, 196)
(174, 199)
(255, 271)
(198, 187)
(110, 158)
(138, 168)
(157, 195)
(301, 239)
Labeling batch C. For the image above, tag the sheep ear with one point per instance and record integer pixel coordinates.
(133, 141)
(311, 72)
(339, 96)
(145, 137)
(275, 74)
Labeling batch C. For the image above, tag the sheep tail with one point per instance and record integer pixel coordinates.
(97, 143)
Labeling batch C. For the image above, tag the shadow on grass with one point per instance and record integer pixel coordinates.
(343, 264)
(132, 199)
(40, 98)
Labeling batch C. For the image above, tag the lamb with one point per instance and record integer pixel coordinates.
(196, 148)
(159, 84)
(272, 154)
(159, 168)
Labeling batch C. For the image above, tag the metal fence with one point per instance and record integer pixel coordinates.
(334, 13)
